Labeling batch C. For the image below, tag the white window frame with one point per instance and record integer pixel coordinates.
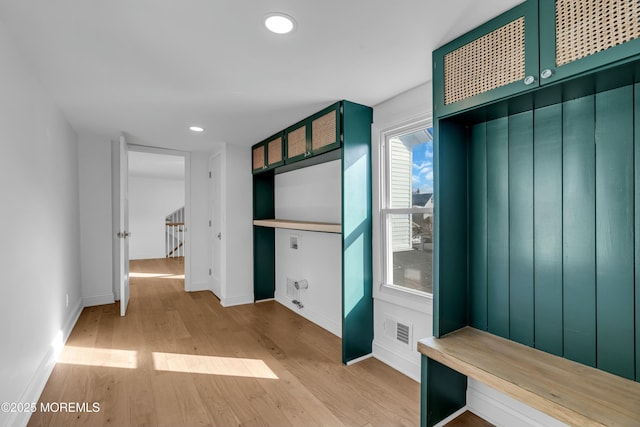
(386, 211)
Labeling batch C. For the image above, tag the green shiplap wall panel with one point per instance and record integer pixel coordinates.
(478, 226)
(636, 91)
(498, 227)
(578, 201)
(547, 160)
(450, 265)
(614, 232)
(521, 319)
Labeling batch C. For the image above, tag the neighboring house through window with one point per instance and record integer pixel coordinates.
(407, 209)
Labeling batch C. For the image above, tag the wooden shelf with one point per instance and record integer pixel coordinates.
(568, 391)
(324, 227)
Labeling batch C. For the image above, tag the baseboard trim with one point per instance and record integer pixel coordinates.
(43, 372)
(230, 302)
(199, 286)
(98, 300)
(452, 417)
(397, 361)
(359, 359)
(311, 315)
(502, 410)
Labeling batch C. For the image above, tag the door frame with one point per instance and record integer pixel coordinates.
(187, 205)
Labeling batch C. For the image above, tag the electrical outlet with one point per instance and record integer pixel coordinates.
(293, 242)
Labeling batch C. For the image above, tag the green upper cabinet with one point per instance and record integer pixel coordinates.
(536, 43)
(315, 135)
(267, 154)
(577, 36)
(496, 60)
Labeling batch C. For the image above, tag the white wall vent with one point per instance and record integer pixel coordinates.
(403, 333)
(398, 331)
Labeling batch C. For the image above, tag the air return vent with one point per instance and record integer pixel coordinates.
(398, 331)
(402, 333)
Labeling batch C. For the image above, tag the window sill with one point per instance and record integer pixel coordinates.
(403, 297)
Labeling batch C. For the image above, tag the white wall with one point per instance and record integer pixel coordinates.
(150, 201)
(40, 250)
(412, 310)
(311, 194)
(238, 232)
(95, 219)
(416, 311)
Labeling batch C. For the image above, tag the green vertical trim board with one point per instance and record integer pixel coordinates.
(498, 227)
(614, 232)
(450, 290)
(357, 297)
(478, 227)
(578, 201)
(636, 153)
(548, 228)
(521, 319)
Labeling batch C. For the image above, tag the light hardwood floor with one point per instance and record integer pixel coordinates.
(181, 359)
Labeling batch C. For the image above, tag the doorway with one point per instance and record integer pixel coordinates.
(158, 212)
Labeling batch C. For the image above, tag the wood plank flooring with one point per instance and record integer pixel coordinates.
(181, 359)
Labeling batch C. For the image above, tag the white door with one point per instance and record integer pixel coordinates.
(123, 228)
(215, 188)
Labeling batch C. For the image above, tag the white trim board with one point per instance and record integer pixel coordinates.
(398, 362)
(97, 300)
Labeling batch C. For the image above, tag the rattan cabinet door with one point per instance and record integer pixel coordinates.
(259, 157)
(577, 36)
(496, 60)
(296, 142)
(267, 154)
(325, 130)
(275, 154)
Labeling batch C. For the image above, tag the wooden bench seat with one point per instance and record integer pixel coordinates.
(568, 391)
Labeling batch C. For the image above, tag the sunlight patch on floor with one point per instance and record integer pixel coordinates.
(212, 365)
(105, 357)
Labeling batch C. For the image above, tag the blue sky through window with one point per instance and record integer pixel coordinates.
(422, 170)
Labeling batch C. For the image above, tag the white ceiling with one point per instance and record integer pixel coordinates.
(151, 68)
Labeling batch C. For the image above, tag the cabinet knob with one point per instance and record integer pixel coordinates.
(546, 73)
(529, 80)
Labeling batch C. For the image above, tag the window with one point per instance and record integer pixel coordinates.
(407, 209)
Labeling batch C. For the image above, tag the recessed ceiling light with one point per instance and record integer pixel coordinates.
(196, 128)
(279, 23)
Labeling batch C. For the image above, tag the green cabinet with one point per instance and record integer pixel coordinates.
(315, 135)
(267, 154)
(534, 44)
(578, 36)
(496, 60)
(340, 131)
(537, 220)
